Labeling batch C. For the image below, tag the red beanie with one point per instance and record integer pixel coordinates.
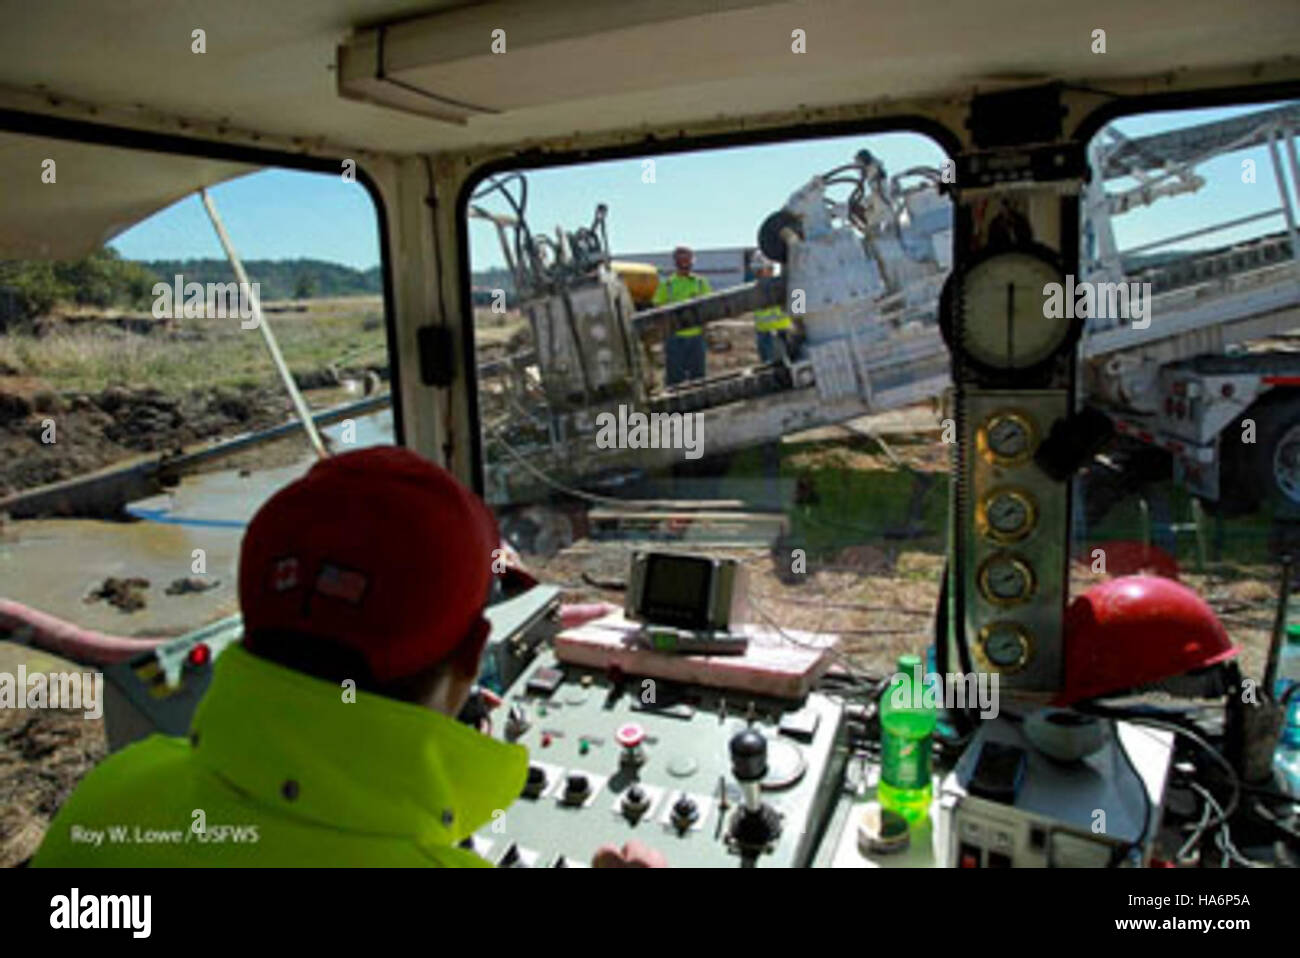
(377, 550)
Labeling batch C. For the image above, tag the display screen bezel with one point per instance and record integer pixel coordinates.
(663, 610)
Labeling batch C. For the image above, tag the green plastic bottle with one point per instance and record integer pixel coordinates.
(906, 727)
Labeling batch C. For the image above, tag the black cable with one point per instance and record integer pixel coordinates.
(449, 422)
(1270, 793)
(609, 585)
(522, 235)
(843, 168)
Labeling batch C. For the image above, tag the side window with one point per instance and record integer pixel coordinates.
(139, 361)
(731, 350)
(1188, 280)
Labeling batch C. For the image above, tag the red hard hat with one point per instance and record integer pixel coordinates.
(377, 550)
(1135, 630)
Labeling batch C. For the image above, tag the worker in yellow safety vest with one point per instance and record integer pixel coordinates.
(684, 349)
(773, 327)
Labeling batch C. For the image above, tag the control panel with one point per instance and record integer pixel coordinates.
(710, 778)
(1040, 813)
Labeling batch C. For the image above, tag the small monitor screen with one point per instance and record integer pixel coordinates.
(677, 590)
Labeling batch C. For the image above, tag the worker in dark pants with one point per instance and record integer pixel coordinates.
(684, 349)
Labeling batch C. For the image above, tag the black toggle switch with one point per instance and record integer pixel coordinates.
(576, 789)
(536, 782)
(685, 812)
(512, 858)
(635, 802)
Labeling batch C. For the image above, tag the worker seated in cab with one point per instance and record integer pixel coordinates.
(329, 736)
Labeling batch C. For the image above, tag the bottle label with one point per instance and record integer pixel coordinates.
(905, 761)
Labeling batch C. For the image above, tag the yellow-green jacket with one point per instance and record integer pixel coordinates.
(677, 288)
(287, 773)
(771, 319)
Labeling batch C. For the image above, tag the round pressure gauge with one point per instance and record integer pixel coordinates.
(1006, 580)
(1006, 438)
(1003, 646)
(1003, 314)
(1006, 515)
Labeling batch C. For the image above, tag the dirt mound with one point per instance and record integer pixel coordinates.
(44, 753)
(93, 430)
(124, 594)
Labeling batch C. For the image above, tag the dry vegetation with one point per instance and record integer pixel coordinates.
(121, 385)
(79, 354)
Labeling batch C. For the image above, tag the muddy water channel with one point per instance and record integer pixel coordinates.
(55, 565)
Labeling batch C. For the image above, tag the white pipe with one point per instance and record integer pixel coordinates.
(1284, 192)
(1289, 134)
(299, 404)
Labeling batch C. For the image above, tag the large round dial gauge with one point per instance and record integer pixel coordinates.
(1004, 646)
(1001, 315)
(1006, 438)
(1006, 514)
(1006, 580)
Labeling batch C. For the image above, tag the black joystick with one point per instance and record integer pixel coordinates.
(755, 826)
(749, 760)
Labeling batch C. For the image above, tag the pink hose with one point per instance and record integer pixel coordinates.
(66, 639)
(86, 645)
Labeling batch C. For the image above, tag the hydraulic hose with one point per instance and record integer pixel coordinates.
(63, 638)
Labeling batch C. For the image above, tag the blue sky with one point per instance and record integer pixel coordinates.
(272, 214)
(705, 199)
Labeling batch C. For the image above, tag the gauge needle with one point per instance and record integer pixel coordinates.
(1011, 311)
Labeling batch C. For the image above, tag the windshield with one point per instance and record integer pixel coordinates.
(659, 367)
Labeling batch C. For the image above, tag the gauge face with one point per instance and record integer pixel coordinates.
(1005, 646)
(1006, 580)
(1003, 311)
(1008, 438)
(1006, 515)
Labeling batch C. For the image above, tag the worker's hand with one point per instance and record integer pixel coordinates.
(633, 855)
(477, 709)
(573, 614)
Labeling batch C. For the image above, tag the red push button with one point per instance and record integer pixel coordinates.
(630, 735)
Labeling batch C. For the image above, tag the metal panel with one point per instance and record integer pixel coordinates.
(688, 728)
(1044, 550)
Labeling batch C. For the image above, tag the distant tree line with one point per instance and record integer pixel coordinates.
(34, 287)
(277, 278)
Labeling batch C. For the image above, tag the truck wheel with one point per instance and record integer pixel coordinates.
(1267, 471)
(1132, 465)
